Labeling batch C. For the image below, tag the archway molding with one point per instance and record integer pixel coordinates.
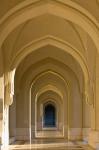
(50, 88)
(53, 41)
(54, 62)
(53, 73)
(67, 10)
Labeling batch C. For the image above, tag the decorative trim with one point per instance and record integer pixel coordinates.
(51, 40)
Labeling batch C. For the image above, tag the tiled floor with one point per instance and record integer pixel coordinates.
(48, 145)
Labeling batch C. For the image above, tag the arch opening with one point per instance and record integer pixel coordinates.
(49, 115)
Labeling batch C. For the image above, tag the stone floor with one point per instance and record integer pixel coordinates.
(48, 145)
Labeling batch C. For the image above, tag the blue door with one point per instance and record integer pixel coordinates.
(49, 116)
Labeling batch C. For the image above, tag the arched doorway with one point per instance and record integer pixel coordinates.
(49, 116)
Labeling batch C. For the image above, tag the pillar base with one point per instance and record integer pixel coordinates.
(93, 139)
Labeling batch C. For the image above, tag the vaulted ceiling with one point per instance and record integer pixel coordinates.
(34, 32)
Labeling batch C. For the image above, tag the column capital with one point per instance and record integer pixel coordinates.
(9, 87)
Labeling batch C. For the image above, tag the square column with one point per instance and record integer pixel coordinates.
(94, 133)
(8, 92)
(1, 108)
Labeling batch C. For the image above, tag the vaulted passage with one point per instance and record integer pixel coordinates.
(49, 74)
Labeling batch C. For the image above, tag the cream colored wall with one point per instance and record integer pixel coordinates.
(22, 110)
(75, 105)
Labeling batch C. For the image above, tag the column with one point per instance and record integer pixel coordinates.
(1, 107)
(94, 134)
(8, 100)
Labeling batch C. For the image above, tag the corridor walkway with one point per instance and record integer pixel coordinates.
(48, 145)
